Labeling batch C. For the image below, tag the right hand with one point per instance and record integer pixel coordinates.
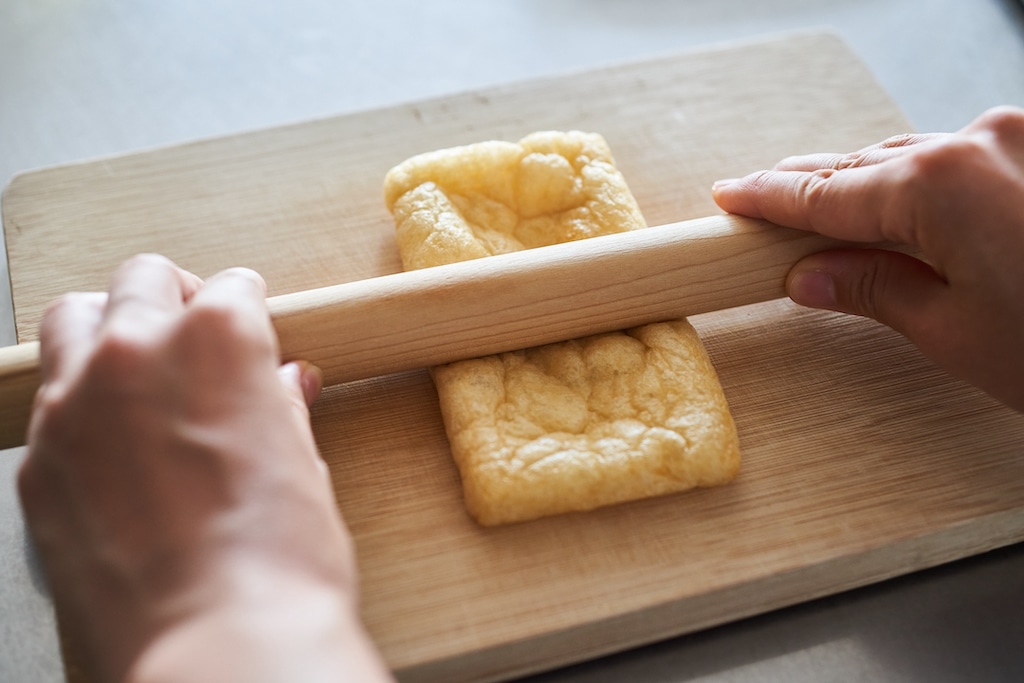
(958, 198)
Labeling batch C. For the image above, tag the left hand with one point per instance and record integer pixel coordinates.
(186, 524)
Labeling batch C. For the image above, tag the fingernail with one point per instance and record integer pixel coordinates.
(813, 288)
(307, 376)
(311, 379)
(723, 183)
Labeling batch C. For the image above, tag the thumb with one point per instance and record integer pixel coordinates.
(893, 288)
(302, 381)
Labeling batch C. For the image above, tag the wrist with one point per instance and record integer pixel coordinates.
(267, 628)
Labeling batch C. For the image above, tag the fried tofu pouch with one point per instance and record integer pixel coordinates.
(575, 425)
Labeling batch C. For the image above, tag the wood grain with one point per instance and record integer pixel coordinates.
(861, 460)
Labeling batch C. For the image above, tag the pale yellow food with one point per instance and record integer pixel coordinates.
(570, 426)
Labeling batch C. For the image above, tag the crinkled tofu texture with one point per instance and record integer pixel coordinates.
(498, 197)
(570, 426)
(587, 423)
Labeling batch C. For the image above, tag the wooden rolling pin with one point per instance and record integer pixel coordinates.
(437, 315)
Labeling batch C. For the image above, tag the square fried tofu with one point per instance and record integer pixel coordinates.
(579, 424)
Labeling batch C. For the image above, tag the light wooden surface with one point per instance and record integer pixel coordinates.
(861, 461)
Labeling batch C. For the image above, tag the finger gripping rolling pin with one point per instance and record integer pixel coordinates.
(501, 303)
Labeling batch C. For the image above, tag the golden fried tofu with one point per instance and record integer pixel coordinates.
(575, 425)
(498, 197)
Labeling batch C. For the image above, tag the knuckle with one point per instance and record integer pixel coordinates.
(901, 140)
(815, 191)
(61, 303)
(249, 275)
(122, 355)
(215, 324)
(851, 160)
(72, 300)
(144, 263)
(956, 160)
(869, 292)
(786, 162)
(1004, 121)
(759, 182)
(864, 294)
(148, 260)
(936, 168)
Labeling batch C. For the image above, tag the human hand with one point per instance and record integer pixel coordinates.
(185, 522)
(958, 198)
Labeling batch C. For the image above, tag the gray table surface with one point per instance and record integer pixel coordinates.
(85, 78)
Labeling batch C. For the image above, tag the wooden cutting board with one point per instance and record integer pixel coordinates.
(861, 460)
